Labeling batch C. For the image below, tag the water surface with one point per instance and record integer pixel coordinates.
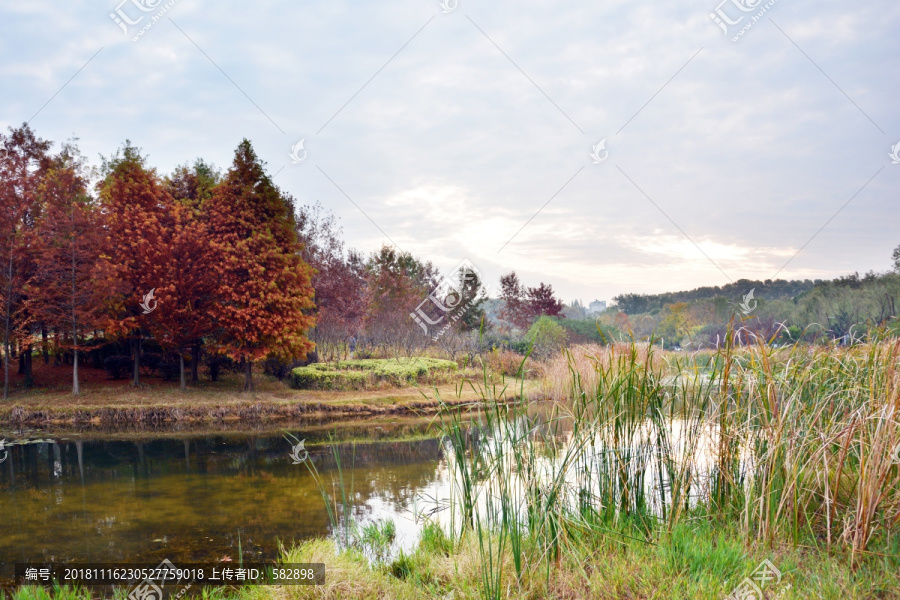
(139, 496)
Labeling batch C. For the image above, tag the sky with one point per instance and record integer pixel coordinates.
(602, 147)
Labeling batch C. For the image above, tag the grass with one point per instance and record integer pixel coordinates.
(694, 561)
(372, 372)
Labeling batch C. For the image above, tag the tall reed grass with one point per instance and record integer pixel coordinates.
(796, 445)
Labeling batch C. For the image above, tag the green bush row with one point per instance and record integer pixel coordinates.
(359, 374)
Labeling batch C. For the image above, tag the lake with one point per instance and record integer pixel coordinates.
(197, 495)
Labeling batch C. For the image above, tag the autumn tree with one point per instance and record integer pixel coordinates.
(185, 294)
(542, 301)
(523, 305)
(191, 186)
(138, 223)
(515, 309)
(62, 294)
(263, 286)
(339, 279)
(23, 161)
(398, 284)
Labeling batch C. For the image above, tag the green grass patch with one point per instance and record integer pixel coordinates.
(370, 372)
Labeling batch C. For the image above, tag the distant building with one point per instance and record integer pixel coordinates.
(597, 306)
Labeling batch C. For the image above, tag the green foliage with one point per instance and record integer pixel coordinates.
(361, 373)
(432, 539)
(633, 304)
(547, 336)
(376, 538)
(851, 308)
(702, 553)
(589, 328)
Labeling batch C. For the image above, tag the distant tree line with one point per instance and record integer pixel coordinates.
(633, 304)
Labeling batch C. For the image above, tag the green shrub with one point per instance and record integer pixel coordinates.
(360, 373)
(313, 378)
(547, 335)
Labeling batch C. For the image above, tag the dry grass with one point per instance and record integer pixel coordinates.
(158, 402)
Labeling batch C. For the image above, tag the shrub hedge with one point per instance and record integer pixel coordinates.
(363, 373)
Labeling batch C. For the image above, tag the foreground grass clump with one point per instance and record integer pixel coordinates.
(692, 562)
(695, 561)
(371, 372)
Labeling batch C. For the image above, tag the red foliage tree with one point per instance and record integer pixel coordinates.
(183, 315)
(62, 294)
(23, 161)
(339, 280)
(263, 284)
(523, 305)
(192, 186)
(398, 282)
(542, 301)
(515, 309)
(138, 229)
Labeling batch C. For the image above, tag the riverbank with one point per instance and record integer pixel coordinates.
(156, 404)
(692, 562)
(699, 561)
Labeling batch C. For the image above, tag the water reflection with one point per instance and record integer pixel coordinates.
(191, 498)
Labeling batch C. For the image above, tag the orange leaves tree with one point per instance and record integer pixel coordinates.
(186, 286)
(138, 218)
(62, 294)
(263, 291)
(23, 160)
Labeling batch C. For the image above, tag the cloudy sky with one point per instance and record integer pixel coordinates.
(465, 131)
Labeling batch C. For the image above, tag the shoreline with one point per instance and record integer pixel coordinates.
(159, 407)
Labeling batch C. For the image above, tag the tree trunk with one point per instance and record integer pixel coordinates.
(181, 364)
(45, 345)
(7, 315)
(27, 371)
(195, 362)
(136, 347)
(6, 364)
(76, 387)
(248, 375)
